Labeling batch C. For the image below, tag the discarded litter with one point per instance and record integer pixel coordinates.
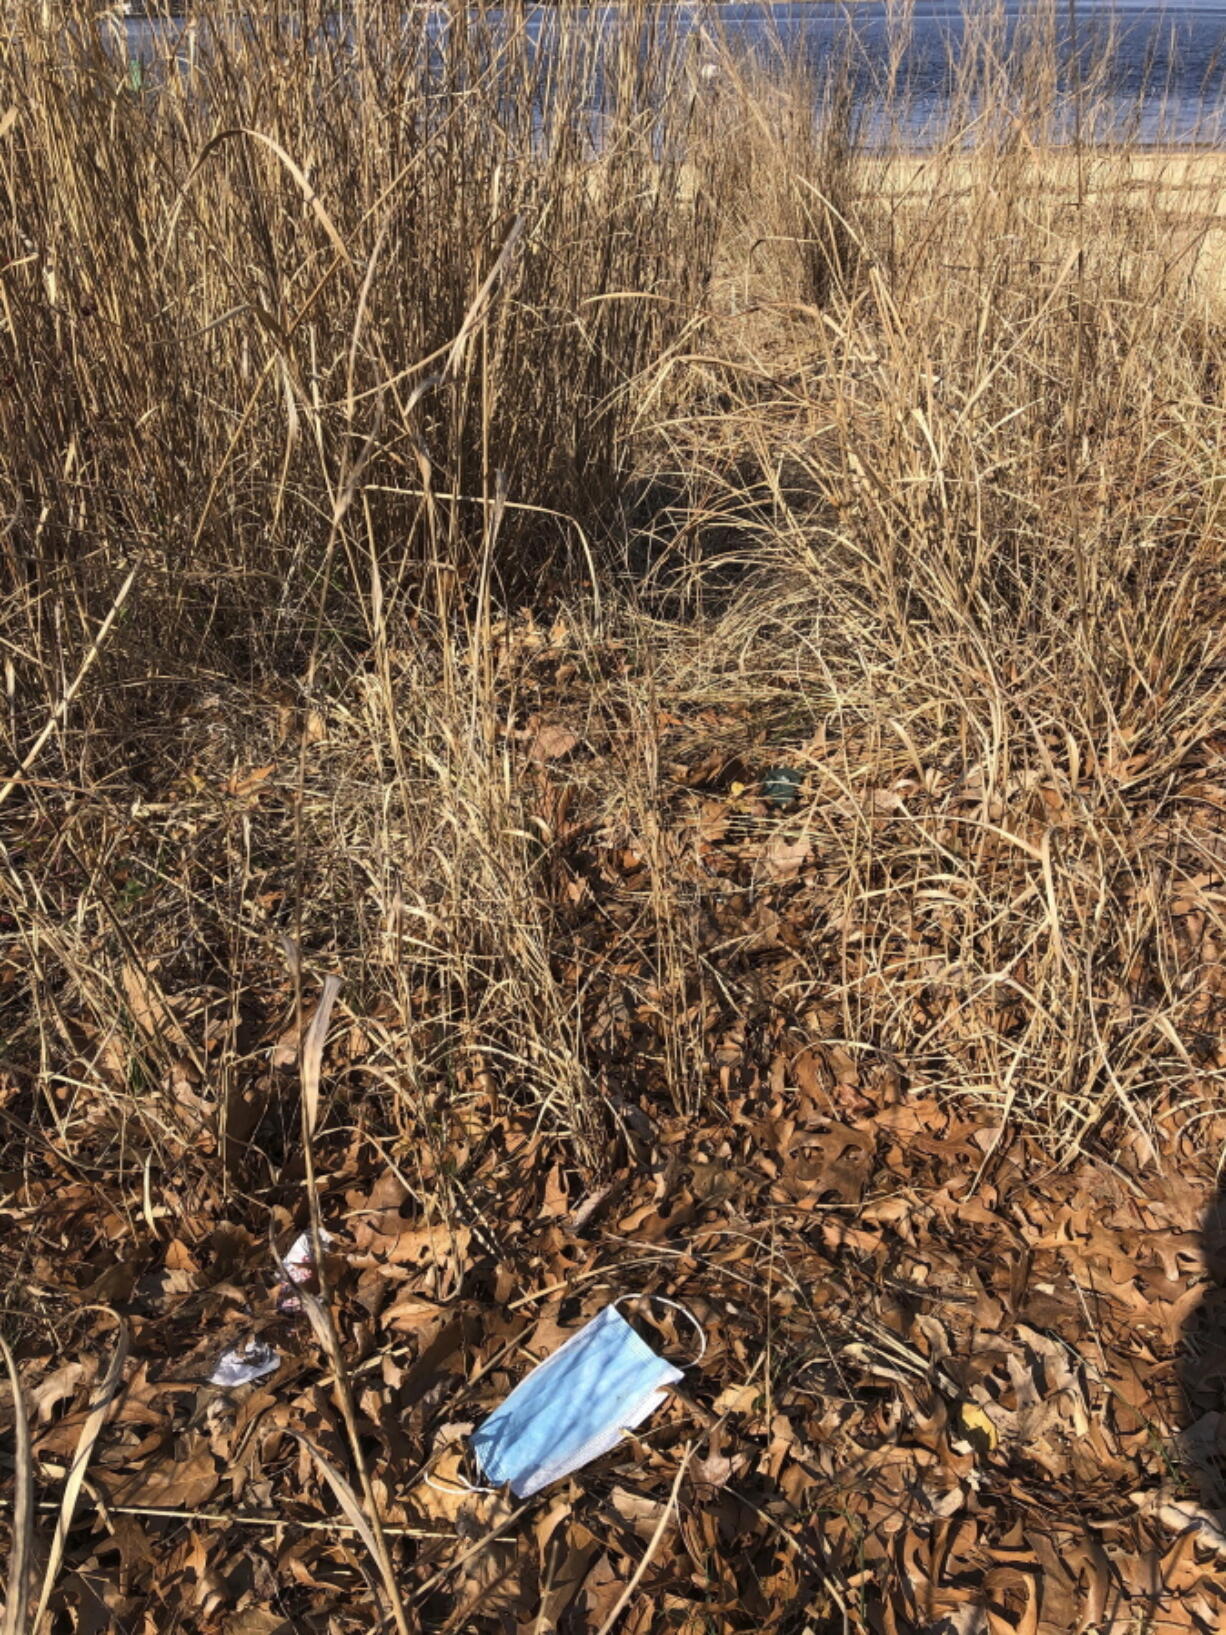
(299, 1260)
(244, 1363)
(781, 786)
(575, 1405)
(299, 1266)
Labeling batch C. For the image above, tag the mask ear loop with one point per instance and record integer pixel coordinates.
(453, 1485)
(662, 1300)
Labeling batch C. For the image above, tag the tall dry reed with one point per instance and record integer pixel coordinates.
(334, 349)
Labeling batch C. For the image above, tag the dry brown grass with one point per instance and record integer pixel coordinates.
(316, 373)
(428, 512)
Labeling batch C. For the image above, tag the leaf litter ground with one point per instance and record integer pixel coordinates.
(957, 1378)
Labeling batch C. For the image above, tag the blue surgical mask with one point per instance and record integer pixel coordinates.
(574, 1406)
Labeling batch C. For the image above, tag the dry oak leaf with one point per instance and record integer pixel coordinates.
(547, 742)
(715, 1470)
(177, 1484)
(246, 783)
(785, 858)
(411, 1312)
(258, 1621)
(639, 1511)
(977, 1428)
(739, 1399)
(56, 1386)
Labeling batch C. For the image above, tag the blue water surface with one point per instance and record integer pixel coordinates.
(1158, 71)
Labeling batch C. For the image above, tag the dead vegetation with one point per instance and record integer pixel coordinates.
(713, 634)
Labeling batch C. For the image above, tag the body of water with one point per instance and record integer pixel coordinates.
(1156, 73)
(1120, 69)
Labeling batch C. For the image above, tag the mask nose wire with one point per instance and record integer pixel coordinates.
(662, 1300)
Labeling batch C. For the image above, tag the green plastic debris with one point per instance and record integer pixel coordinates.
(136, 74)
(781, 786)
